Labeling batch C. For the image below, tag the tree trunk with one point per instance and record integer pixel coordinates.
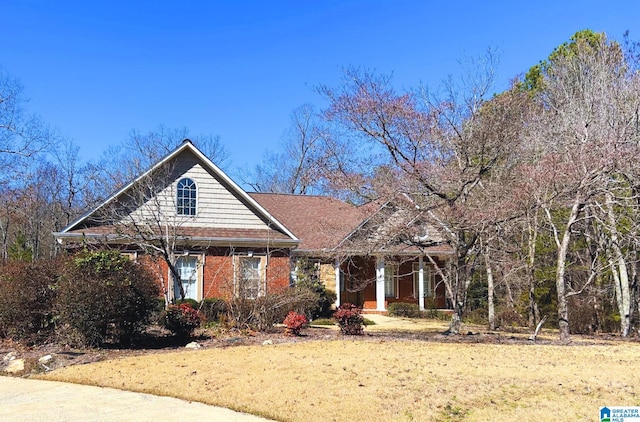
(563, 249)
(461, 279)
(510, 300)
(456, 301)
(175, 276)
(534, 312)
(456, 319)
(490, 288)
(620, 273)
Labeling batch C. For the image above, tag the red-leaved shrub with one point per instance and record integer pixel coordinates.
(294, 322)
(350, 320)
(182, 320)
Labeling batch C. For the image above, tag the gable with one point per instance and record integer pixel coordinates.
(396, 230)
(218, 206)
(224, 210)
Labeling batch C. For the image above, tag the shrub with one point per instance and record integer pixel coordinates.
(212, 308)
(324, 299)
(509, 318)
(302, 300)
(349, 319)
(27, 299)
(191, 302)
(404, 310)
(367, 322)
(582, 316)
(104, 296)
(182, 320)
(263, 312)
(158, 312)
(478, 316)
(294, 323)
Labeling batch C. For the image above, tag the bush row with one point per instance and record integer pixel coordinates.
(412, 310)
(101, 296)
(85, 300)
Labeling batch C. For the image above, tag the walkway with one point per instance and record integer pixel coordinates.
(39, 401)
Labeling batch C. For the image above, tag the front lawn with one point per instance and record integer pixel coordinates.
(393, 376)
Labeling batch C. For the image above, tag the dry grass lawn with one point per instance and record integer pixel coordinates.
(381, 379)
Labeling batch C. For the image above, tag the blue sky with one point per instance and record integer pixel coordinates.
(95, 70)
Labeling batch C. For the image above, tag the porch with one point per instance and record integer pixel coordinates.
(373, 283)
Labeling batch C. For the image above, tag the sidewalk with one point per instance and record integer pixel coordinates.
(39, 401)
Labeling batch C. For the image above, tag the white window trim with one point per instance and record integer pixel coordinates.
(132, 255)
(262, 288)
(197, 196)
(200, 259)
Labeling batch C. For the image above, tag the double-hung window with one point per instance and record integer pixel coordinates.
(391, 280)
(249, 281)
(187, 268)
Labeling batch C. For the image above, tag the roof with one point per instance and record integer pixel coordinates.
(320, 222)
(207, 236)
(328, 225)
(395, 229)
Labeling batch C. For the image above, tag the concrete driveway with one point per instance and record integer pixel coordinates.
(50, 401)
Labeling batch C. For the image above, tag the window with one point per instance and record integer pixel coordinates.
(249, 277)
(391, 280)
(187, 267)
(186, 197)
(426, 273)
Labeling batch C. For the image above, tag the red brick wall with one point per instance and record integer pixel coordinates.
(278, 273)
(217, 271)
(218, 276)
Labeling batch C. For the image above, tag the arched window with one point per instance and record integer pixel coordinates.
(186, 197)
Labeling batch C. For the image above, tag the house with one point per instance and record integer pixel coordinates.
(189, 221)
(358, 252)
(188, 212)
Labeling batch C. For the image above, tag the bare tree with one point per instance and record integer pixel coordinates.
(22, 135)
(436, 151)
(25, 141)
(585, 134)
(144, 216)
(295, 168)
(122, 163)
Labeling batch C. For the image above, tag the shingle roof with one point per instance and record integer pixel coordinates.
(320, 222)
(217, 235)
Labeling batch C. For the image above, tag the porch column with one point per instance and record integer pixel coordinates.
(336, 267)
(380, 284)
(421, 283)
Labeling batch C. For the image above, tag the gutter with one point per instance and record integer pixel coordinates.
(213, 241)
